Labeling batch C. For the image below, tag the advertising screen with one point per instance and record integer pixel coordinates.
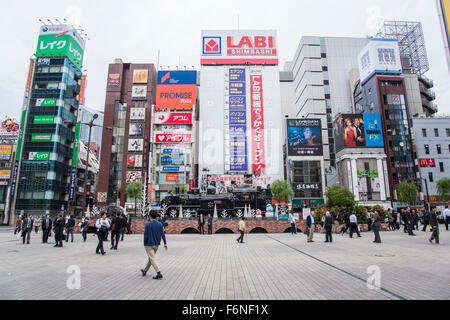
(177, 77)
(5, 152)
(173, 118)
(176, 96)
(304, 137)
(5, 174)
(43, 119)
(239, 47)
(45, 102)
(9, 130)
(39, 156)
(61, 41)
(41, 137)
(358, 131)
(140, 76)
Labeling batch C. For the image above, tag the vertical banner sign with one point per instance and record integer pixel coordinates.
(82, 91)
(258, 151)
(22, 128)
(237, 121)
(73, 174)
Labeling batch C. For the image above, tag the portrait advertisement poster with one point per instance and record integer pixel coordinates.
(137, 129)
(140, 76)
(304, 137)
(375, 184)
(139, 93)
(373, 130)
(102, 197)
(135, 161)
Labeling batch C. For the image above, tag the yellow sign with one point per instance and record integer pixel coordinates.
(5, 149)
(5, 174)
(140, 76)
(446, 13)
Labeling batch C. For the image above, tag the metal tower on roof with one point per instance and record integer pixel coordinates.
(411, 42)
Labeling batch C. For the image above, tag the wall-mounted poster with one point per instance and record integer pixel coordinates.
(137, 129)
(136, 145)
(135, 160)
(140, 76)
(137, 114)
(139, 93)
(133, 176)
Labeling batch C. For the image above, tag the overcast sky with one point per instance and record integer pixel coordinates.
(135, 30)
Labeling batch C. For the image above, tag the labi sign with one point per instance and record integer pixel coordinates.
(39, 156)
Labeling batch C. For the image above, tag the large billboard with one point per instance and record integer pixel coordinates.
(139, 93)
(5, 152)
(176, 96)
(140, 76)
(257, 123)
(61, 41)
(177, 77)
(358, 131)
(304, 137)
(9, 130)
(228, 47)
(379, 56)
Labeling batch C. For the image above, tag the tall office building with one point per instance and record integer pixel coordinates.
(240, 136)
(48, 142)
(444, 19)
(125, 154)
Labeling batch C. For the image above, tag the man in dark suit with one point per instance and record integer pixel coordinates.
(435, 225)
(425, 219)
(117, 224)
(328, 227)
(360, 136)
(409, 219)
(46, 228)
(70, 225)
(376, 226)
(58, 227)
(201, 224)
(210, 224)
(129, 225)
(27, 227)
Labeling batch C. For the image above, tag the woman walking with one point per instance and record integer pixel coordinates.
(37, 224)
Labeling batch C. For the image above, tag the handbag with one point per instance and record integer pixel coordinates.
(306, 231)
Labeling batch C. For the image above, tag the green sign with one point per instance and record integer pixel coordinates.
(44, 119)
(19, 140)
(45, 102)
(39, 156)
(41, 137)
(60, 45)
(369, 174)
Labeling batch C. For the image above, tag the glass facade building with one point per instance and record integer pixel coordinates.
(48, 142)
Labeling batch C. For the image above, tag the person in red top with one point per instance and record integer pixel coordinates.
(349, 134)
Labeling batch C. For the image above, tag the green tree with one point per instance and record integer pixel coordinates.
(281, 191)
(407, 192)
(443, 188)
(134, 190)
(341, 197)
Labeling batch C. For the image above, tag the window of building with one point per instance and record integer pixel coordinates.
(448, 132)
(441, 166)
(438, 148)
(424, 133)
(427, 149)
(436, 132)
(430, 176)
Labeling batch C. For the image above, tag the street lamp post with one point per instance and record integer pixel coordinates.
(426, 188)
(90, 124)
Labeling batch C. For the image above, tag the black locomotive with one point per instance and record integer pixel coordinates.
(229, 205)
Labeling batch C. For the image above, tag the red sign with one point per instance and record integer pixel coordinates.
(258, 151)
(176, 96)
(252, 46)
(172, 177)
(191, 184)
(113, 80)
(173, 138)
(30, 75)
(173, 118)
(82, 91)
(427, 162)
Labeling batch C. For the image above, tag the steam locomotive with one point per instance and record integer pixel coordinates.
(228, 205)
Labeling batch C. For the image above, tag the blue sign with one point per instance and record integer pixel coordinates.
(171, 150)
(171, 169)
(238, 120)
(177, 77)
(172, 160)
(14, 177)
(373, 130)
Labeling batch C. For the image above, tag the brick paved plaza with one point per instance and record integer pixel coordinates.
(269, 266)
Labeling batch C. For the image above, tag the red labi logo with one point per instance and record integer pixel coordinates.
(211, 45)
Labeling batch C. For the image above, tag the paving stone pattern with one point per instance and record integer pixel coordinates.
(268, 266)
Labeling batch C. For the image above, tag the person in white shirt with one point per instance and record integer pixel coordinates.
(102, 226)
(293, 224)
(353, 225)
(447, 217)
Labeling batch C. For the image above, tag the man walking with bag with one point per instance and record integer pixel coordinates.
(102, 226)
(153, 233)
(27, 228)
(435, 225)
(354, 225)
(46, 228)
